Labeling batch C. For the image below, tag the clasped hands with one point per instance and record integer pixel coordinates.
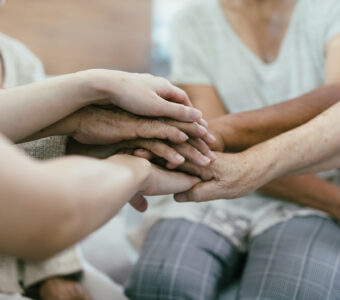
(182, 146)
(144, 119)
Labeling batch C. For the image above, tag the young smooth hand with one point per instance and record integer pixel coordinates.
(145, 95)
(156, 181)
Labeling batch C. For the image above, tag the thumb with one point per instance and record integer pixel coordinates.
(201, 192)
(139, 203)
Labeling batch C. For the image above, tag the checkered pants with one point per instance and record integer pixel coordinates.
(297, 259)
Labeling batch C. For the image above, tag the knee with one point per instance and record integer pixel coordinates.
(167, 281)
(285, 287)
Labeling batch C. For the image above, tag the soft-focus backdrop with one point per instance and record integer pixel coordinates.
(73, 35)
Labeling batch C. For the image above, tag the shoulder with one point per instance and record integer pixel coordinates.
(21, 65)
(320, 11)
(195, 14)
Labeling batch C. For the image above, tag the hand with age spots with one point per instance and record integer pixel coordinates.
(170, 140)
(230, 176)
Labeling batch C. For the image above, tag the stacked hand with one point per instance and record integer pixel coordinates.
(230, 175)
(148, 117)
(184, 146)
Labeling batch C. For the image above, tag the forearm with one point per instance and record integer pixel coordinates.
(254, 127)
(307, 190)
(95, 192)
(55, 204)
(67, 126)
(27, 109)
(312, 147)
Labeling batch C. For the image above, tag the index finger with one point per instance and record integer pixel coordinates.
(176, 111)
(175, 94)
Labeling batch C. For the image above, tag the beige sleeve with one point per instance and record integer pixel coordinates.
(66, 263)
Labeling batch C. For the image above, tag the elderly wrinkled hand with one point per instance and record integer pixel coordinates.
(110, 125)
(195, 151)
(229, 176)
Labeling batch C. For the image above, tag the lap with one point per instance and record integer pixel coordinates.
(297, 259)
(182, 260)
(100, 286)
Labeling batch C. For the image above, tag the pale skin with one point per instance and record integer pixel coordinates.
(94, 125)
(85, 125)
(73, 196)
(269, 20)
(147, 96)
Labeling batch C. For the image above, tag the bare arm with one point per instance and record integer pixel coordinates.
(310, 190)
(48, 206)
(240, 131)
(27, 109)
(312, 147)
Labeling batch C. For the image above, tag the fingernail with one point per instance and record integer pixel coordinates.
(181, 198)
(183, 137)
(210, 138)
(205, 160)
(204, 123)
(202, 129)
(179, 158)
(212, 155)
(194, 114)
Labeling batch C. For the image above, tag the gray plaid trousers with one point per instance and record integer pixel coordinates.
(298, 259)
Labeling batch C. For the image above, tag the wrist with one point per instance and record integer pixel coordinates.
(138, 168)
(217, 131)
(95, 85)
(102, 84)
(264, 163)
(231, 133)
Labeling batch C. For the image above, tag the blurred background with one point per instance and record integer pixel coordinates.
(131, 35)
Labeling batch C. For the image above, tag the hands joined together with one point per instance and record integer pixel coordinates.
(147, 117)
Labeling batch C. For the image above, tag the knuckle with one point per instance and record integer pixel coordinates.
(171, 131)
(148, 144)
(194, 195)
(163, 81)
(182, 111)
(156, 145)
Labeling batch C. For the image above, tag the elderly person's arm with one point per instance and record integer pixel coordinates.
(92, 128)
(254, 127)
(312, 147)
(48, 206)
(239, 174)
(26, 110)
(237, 132)
(240, 131)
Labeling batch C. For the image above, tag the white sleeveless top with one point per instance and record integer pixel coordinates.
(207, 51)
